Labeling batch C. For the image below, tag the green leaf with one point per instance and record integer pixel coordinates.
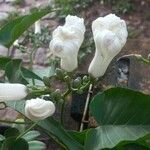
(111, 136)
(52, 128)
(29, 74)
(11, 132)
(36, 145)
(123, 115)
(133, 146)
(2, 137)
(3, 62)
(13, 72)
(79, 136)
(31, 135)
(13, 144)
(12, 30)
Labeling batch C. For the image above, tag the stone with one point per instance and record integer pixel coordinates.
(3, 50)
(3, 16)
(40, 56)
(10, 1)
(4, 7)
(8, 114)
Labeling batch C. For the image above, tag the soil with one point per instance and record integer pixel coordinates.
(138, 19)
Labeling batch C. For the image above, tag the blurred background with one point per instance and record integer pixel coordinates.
(34, 48)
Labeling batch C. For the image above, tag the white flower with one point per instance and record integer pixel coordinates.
(12, 92)
(16, 43)
(37, 27)
(38, 109)
(110, 35)
(66, 41)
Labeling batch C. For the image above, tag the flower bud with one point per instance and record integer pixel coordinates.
(77, 82)
(46, 81)
(67, 79)
(37, 27)
(12, 92)
(38, 109)
(59, 73)
(110, 35)
(56, 94)
(85, 79)
(66, 41)
(148, 56)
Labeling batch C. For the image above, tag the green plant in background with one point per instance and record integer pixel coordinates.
(120, 6)
(122, 114)
(71, 6)
(27, 141)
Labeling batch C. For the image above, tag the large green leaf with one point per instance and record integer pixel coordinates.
(36, 145)
(52, 128)
(31, 135)
(13, 72)
(29, 74)
(13, 144)
(123, 115)
(3, 62)
(13, 29)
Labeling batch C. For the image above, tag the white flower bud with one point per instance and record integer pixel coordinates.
(16, 43)
(12, 92)
(37, 27)
(38, 109)
(110, 35)
(66, 41)
(148, 56)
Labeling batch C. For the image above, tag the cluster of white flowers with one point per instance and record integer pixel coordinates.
(110, 35)
(66, 41)
(35, 109)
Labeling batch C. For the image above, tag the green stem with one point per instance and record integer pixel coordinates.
(63, 106)
(31, 62)
(11, 122)
(33, 125)
(146, 61)
(8, 52)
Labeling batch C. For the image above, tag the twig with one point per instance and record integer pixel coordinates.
(63, 106)
(86, 107)
(22, 134)
(12, 122)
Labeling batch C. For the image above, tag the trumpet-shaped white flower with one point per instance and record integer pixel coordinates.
(16, 43)
(37, 27)
(38, 109)
(66, 41)
(110, 35)
(12, 92)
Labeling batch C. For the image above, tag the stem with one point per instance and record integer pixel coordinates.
(33, 125)
(86, 107)
(63, 106)
(8, 52)
(62, 112)
(11, 122)
(31, 63)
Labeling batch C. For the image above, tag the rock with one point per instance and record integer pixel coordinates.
(40, 56)
(3, 50)
(30, 2)
(3, 16)
(10, 1)
(8, 114)
(4, 7)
